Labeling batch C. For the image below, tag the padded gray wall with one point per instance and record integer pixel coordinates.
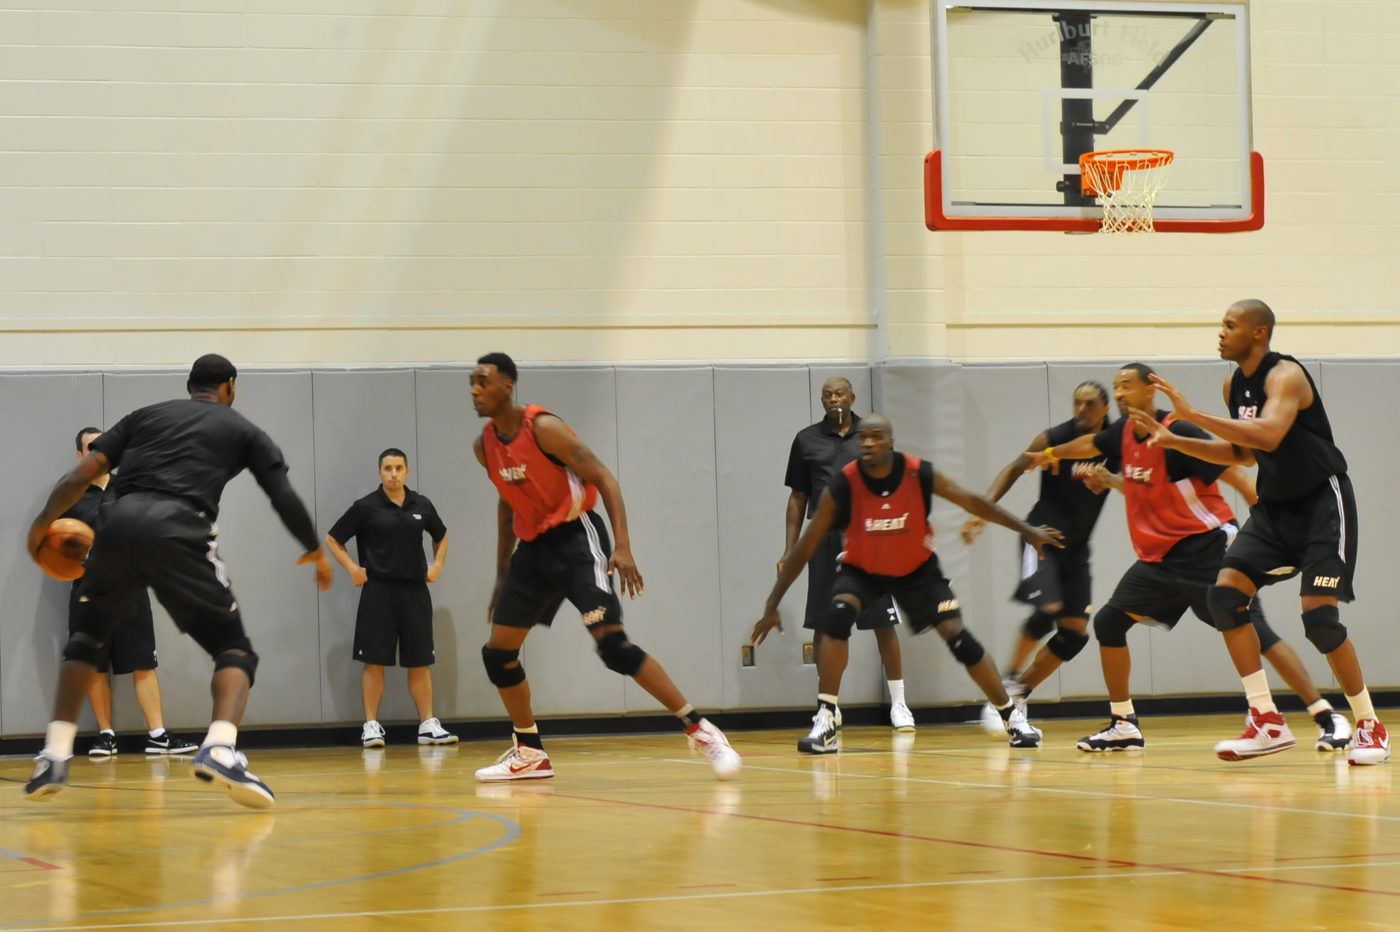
(700, 454)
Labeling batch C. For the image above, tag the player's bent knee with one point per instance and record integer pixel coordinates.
(619, 654)
(839, 619)
(1268, 637)
(503, 667)
(1323, 626)
(1038, 625)
(1229, 607)
(240, 657)
(1067, 643)
(967, 650)
(83, 648)
(1111, 626)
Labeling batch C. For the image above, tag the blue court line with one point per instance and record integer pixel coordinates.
(513, 831)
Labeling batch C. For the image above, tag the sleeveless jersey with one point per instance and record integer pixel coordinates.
(888, 535)
(1065, 502)
(1161, 513)
(1306, 456)
(541, 491)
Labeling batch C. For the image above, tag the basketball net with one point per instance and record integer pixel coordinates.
(1126, 182)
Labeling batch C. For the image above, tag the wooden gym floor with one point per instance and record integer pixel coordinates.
(953, 830)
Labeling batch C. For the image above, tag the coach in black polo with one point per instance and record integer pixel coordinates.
(395, 618)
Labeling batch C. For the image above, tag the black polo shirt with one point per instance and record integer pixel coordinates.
(391, 536)
(85, 509)
(817, 454)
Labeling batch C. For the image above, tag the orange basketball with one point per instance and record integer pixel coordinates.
(64, 548)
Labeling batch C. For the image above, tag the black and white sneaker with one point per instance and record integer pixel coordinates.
(223, 767)
(1335, 733)
(49, 777)
(1122, 734)
(166, 743)
(104, 745)
(822, 738)
(1023, 733)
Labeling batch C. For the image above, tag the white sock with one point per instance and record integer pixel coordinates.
(1360, 706)
(896, 691)
(58, 740)
(1321, 705)
(221, 732)
(107, 731)
(1256, 689)
(156, 732)
(1121, 709)
(532, 730)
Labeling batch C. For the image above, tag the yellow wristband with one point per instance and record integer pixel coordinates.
(1050, 455)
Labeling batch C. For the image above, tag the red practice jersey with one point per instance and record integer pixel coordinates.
(1162, 512)
(542, 492)
(888, 535)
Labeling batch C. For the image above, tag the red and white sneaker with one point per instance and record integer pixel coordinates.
(519, 763)
(709, 739)
(1264, 733)
(1371, 744)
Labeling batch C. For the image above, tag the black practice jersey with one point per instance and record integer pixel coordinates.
(818, 453)
(1306, 456)
(389, 537)
(1065, 502)
(190, 449)
(86, 508)
(840, 488)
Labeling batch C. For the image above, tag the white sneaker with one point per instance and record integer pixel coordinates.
(1023, 733)
(1264, 733)
(1121, 734)
(837, 718)
(901, 719)
(1336, 735)
(519, 763)
(1372, 744)
(991, 720)
(822, 738)
(372, 735)
(432, 732)
(709, 739)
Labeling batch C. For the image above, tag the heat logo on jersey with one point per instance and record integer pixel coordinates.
(1247, 412)
(1083, 468)
(1138, 474)
(886, 525)
(512, 473)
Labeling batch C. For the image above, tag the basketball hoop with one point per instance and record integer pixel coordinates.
(1126, 182)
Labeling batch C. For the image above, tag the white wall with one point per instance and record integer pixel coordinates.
(358, 181)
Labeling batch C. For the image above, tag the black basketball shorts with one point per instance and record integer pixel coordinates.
(1314, 536)
(1060, 577)
(394, 623)
(821, 572)
(924, 596)
(132, 645)
(569, 561)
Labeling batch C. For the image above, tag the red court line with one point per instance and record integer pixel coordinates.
(41, 865)
(987, 846)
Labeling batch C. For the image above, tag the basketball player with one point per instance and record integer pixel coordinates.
(1180, 526)
(818, 452)
(1305, 523)
(394, 622)
(881, 501)
(1056, 585)
(551, 546)
(158, 530)
(131, 650)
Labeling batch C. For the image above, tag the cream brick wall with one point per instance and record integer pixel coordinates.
(352, 182)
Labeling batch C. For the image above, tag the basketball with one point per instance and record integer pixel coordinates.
(64, 548)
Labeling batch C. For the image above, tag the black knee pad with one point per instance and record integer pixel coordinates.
(619, 654)
(500, 675)
(838, 619)
(1038, 625)
(84, 649)
(1111, 626)
(1268, 637)
(1229, 607)
(1066, 643)
(240, 656)
(967, 650)
(1323, 626)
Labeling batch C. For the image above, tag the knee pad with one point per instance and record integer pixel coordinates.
(1268, 637)
(1229, 607)
(967, 650)
(1038, 625)
(1066, 643)
(240, 656)
(84, 649)
(1111, 626)
(838, 619)
(619, 654)
(1323, 626)
(497, 671)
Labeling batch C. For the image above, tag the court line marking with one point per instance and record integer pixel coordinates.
(625, 901)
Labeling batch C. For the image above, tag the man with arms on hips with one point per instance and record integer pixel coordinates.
(394, 622)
